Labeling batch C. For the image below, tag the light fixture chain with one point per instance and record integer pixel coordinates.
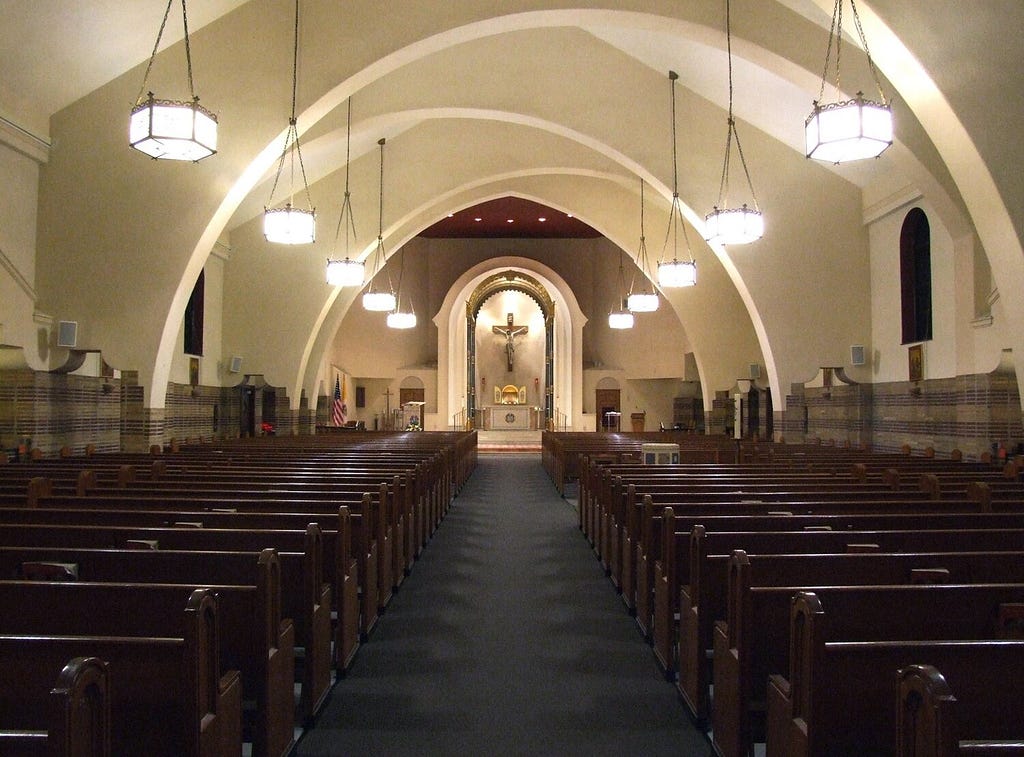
(675, 170)
(295, 60)
(346, 204)
(188, 51)
(152, 57)
(746, 171)
(867, 52)
(837, 14)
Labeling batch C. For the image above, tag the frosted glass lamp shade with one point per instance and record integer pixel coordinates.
(289, 225)
(379, 301)
(677, 273)
(398, 320)
(345, 273)
(851, 130)
(173, 130)
(620, 319)
(642, 302)
(734, 225)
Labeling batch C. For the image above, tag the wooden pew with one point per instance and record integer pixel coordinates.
(345, 584)
(168, 695)
(752, 641)
(75, 722)
(930, 721)
(254, 638)
(305, 598)
(838, 697)
(683, 554)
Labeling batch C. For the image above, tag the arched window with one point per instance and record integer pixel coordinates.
(916, 277)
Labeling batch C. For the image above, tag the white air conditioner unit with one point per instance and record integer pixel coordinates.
(67, 333)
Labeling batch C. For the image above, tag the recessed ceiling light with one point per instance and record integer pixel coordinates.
(509, 221)
(478, 219)
(542, 219)
(568, 215)
(451, 215)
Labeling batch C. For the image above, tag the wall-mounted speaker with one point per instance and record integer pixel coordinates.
(67, 333)
(755, 371)
(236, 364)
(857, 354)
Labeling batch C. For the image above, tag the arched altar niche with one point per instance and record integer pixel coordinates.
(510, 394)
(508, 335)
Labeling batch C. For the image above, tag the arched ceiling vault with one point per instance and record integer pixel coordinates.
(566, 104)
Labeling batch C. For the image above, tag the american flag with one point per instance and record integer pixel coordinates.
(338, 409)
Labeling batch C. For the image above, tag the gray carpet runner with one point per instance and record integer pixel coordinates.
(507, 639)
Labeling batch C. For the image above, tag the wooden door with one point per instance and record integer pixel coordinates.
(606, 401)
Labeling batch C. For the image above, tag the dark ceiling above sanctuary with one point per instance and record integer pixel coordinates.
(510, 217)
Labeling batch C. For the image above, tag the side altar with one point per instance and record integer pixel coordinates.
(510, 411)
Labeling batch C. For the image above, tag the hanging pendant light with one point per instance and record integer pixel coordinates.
(847, 130)
(347, 272)
(290, 224)
(641, 299)
(399, 319)
(373, 299)
(621, 317)
(723, 224)
(172, 129)
(676, 272)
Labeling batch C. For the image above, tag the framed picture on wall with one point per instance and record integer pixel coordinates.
(915, 359)
(193, 371)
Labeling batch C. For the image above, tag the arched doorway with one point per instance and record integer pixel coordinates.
(533, 380)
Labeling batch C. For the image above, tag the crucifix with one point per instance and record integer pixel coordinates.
(510, 331)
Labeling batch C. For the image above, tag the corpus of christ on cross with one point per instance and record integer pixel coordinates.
(510, 331)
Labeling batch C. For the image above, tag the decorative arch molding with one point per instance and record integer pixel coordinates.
(510, 280)
(566, 335)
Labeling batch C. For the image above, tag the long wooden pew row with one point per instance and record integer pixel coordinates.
(353, 558)
(168, 695)
(73, 721)
(930, 721)
(305, 597)
(254, 638)
(346, 595)
(839, 696)
(408, 521)
(648, 549)
(695, 675)
(625, 519)
(620, 498)
(753, 640)
(682, 647)
(903, 515)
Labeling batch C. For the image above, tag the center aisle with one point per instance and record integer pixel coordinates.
(507, 639)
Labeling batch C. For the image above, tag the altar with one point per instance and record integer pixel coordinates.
(508, 417)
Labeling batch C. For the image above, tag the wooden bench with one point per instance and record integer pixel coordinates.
(839, 697)
(684, 552)
(168, 695)
(254, 638)
(305, 598)
(345, 590)
(931, 722)
(752, 641)
(73, 722)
